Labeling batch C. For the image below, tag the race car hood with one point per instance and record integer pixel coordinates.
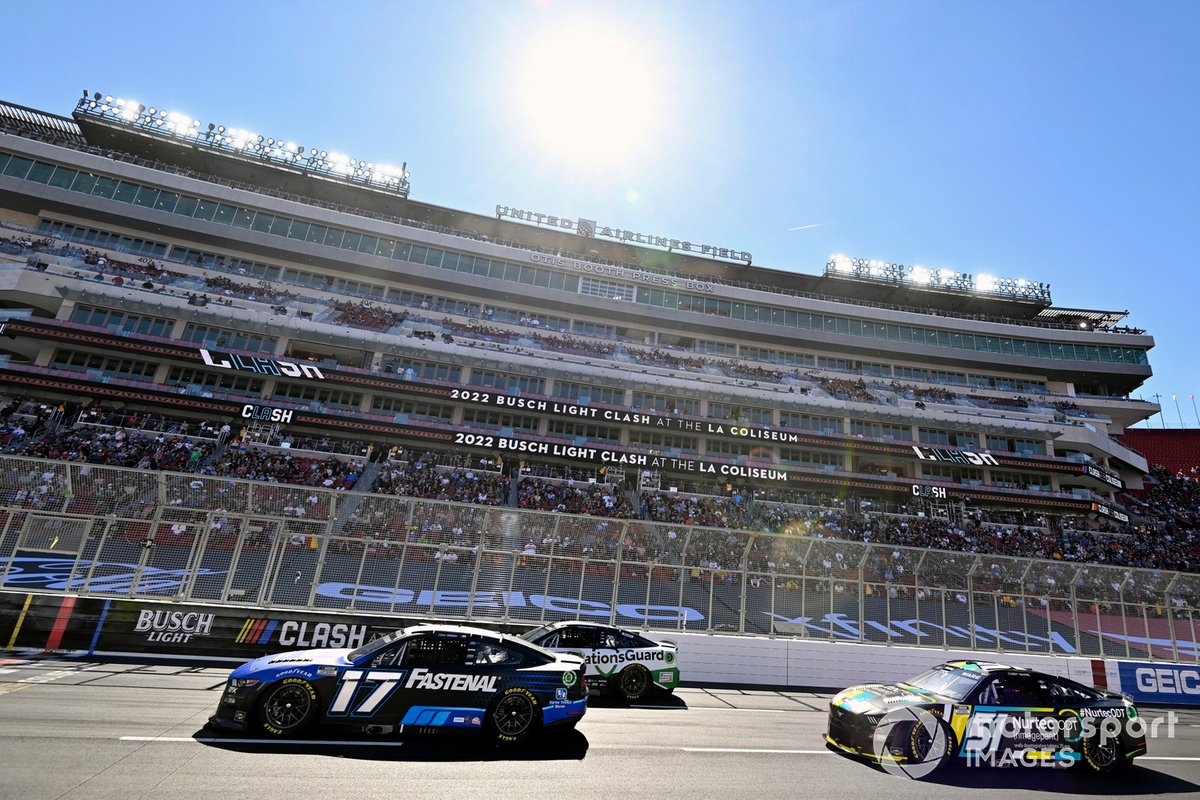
(879, 698)
(298, 662)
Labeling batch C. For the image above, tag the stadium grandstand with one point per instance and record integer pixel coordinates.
(178, 297)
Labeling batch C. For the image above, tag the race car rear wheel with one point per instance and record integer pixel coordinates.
(633, 682)
(1103, 753)
(288, 707)
(514, 715)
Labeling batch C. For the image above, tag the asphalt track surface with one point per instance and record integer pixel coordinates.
(71, 729)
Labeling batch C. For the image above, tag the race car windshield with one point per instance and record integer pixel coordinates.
(374, 645)
(535, 634)
(954, 683)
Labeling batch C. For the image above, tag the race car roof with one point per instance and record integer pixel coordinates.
(982, 666)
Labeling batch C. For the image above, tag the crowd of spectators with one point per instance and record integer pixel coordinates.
(423, 478)
(240, 460)
(934, 394)
(574, 497)
(694, 509)
(261, 292)
(844, 389)
(117, 448)
(365, 314)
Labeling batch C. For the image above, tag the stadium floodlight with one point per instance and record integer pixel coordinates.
(939, 279)
(244, 143)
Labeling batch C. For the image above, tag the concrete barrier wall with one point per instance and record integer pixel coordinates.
(833, 665)
(98, 627)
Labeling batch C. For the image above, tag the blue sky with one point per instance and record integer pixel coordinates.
(1052, 141)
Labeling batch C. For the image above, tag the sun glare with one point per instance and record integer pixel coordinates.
(588, 93)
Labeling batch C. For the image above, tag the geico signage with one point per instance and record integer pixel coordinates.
(1167, 683)
(561, 605)
(267, 413)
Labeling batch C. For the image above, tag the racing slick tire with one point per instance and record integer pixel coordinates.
(633, 682)
(287, 707)
(1102, 754)
(919, 742)
(513, 716)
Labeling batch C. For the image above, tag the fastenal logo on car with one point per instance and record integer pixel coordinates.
(173, 626)
(301, 634)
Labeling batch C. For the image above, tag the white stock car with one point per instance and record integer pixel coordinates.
(618, 661)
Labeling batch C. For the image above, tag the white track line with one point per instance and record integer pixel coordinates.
(218, 740)
(722, 708)
(368, 743)
(754, 750)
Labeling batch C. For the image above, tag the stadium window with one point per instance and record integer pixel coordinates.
(333, 238)
(262, 222)
(368, 244)
(315, 234)
(63, 178)
(244, 218)
(351, 240)
(18, 167)
(84, 183)
(185, 206)
(166, 201)
(40, 172)
(147, 197)
(125, 192)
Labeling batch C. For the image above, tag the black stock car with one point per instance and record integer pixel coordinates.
(986, 714)
(426, 679)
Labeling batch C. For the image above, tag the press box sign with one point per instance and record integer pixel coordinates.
(1161, 683)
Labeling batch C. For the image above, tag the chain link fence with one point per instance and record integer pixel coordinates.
(116, 532)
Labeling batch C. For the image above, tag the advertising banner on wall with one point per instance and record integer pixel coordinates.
(70, 625)
(1161, 683)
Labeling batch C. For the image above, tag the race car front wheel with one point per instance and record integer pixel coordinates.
(1103, 753)
(287, 707)
(633, 682)
(514, 715)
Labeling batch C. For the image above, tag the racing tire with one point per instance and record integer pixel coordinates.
(633, 682)
(918, 741)
(1102, 754)
(287, 708)
(513, 716)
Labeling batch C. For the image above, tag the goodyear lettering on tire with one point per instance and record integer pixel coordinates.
(521, 690)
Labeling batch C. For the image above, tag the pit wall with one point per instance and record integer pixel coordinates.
(32, 624)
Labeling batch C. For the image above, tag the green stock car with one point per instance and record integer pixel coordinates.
(618, 661)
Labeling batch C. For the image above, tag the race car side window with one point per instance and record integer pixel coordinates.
(1013, 690)
(582, 636)
(435, 650)
(495, 654)
(626, 640)
(1068, 693)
